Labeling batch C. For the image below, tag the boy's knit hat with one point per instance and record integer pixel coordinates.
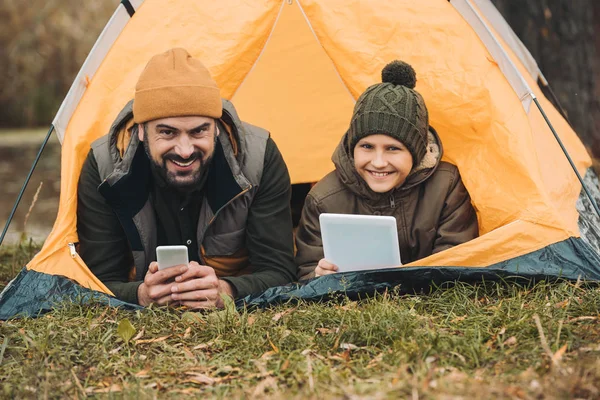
(174, 84)
(392, 108)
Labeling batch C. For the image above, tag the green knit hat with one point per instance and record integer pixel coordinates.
(392, 108)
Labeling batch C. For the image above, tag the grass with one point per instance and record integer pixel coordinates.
(468, 341)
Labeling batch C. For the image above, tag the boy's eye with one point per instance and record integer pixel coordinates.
(366, 146)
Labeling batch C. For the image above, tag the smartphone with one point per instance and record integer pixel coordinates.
(170, 256)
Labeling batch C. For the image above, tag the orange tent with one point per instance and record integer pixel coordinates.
(295, 67)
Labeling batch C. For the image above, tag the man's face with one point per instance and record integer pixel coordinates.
(180, 148)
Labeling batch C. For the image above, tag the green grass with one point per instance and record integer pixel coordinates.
(468, 341)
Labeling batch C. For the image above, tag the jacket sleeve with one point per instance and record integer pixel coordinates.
(269, 237)
(309, 245)
(103, 245)
(458, 221)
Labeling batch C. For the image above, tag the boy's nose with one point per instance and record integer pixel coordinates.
(379, 161)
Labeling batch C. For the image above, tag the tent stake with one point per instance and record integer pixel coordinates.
(37, 158)
(562, 146)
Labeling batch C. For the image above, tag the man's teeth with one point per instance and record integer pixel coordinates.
(183, 164)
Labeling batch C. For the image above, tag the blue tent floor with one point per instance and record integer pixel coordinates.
(32, 292)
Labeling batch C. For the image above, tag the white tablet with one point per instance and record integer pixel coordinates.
(360, 242)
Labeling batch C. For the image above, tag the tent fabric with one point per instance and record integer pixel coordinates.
(33, 293)
(296, 68)
(558, 260)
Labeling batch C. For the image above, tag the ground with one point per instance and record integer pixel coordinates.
(468, 341)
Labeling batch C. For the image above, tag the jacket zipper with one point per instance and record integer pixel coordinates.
(72, 250)
(392, 202)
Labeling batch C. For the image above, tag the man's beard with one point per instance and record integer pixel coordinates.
(170, 178)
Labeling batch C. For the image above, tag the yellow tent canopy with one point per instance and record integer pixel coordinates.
(295, 67)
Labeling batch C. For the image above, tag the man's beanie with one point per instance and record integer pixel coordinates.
(174, 84)
(392, 108)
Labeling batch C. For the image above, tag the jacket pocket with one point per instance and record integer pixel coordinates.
(225, 244)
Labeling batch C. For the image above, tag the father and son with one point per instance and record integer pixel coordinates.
(179, 167)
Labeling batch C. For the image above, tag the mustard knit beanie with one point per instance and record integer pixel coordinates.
(392, 108)
(174, 84)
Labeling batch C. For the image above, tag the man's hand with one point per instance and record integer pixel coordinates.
(156, 288)
(325, 268)
(199, 287)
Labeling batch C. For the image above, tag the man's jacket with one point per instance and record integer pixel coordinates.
(226, 219)
(432, 207)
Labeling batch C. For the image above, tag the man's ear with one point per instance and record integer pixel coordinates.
(141, 132)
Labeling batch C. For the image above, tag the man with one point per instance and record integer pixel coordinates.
(179, 167)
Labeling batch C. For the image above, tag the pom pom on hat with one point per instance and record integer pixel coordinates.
(399, 73)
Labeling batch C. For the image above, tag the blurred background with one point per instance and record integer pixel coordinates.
(43, 43)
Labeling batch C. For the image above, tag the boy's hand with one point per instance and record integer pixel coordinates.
(325, 268)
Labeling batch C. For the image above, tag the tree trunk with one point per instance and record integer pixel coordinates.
(563, 37)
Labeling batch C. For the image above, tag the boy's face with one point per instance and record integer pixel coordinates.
(382, 161)
(180, 148)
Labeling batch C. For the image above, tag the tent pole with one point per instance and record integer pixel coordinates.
(37, 158)
(556, 102)
(562, 146)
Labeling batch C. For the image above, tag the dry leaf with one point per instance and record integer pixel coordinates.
(200, 379)
(142, 374)
(559, 354)
(324, 331)
(562, 304)
(584, 318)
(275, 348)
(348, 346)
(502, 331)
(251, 320)
(511, 341)
(110, 389)
(139, 335)
(188, 353)
(203, 346)
(285, 365)
(187, 333)
(458, 319)
(154, 340)
(282, 314)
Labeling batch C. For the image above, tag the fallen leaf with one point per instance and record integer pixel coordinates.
(458, 319)
(282, 314)
(200, 379)
(125, 330)
(275, 348)
(142, 374)
(251, 319)
(559, 354)
(324, 331)
(192, 317)
(502, 331)
(188, 353)
(348, 346)
(115, 351)
(154, 340)
(110, 389)
(430, 359)
(584, 318)
(203, 346)
(268, 354)
(139, 335)
(187, 333)
(511, 341)
(562, 304)
(285, 365)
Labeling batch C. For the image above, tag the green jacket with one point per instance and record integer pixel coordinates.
(432, 208)
(244, 228)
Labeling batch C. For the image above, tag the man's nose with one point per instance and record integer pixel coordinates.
(184, 147)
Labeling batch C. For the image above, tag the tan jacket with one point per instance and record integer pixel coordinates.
(432, 208)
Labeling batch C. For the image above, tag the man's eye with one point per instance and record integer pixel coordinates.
(166, 132)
